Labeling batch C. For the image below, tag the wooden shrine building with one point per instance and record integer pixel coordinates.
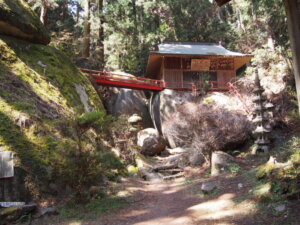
(182, 64)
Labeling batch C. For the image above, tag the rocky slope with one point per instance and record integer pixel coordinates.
(41, 95)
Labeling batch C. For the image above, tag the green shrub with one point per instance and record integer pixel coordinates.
(284, 178)
(84, 162)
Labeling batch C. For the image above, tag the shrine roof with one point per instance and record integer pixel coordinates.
(192, 48)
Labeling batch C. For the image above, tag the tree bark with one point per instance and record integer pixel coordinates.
(64, 12)
(101, 34)
(44, 12)
(134, 12)
(86, 30)
(292, 9)
(78, 8)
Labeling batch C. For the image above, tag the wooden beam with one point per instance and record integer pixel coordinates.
(292, 9)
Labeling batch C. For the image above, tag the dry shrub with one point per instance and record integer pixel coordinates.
(208, 127)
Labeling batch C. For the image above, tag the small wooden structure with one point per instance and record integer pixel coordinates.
(6, 164)
(182, 64)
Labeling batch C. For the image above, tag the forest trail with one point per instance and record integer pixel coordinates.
(182, 202)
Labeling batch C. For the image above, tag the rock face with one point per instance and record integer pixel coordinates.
(18, 20)
(219, 162)
(182, 157)
(150, 141)
(196, 158)
(121, 101)
(84, 98)
(162, 106)
(214, 122)
(37, 102)
(208, 188)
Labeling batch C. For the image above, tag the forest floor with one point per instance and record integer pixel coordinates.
(181, 201)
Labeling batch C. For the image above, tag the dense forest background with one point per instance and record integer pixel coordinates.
(118, 34)
(75, 144)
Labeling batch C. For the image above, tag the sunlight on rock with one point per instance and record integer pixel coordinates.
(75, 223)
(124, 193)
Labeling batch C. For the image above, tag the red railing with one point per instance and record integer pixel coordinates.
(130, 81)
(117, 77)
(209, 86)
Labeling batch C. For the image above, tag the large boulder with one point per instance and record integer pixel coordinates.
(220, 162)
(122, 101)
(185, 157)
(216, 121)
(150, 141)
(18, 20)
(162, 108)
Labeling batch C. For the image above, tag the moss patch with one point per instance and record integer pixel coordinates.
(38, 99)
(17, 19)
(283, 179)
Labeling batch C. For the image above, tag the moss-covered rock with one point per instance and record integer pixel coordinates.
(18, 20)
(38, 102)
(282, 179)
(15, 212)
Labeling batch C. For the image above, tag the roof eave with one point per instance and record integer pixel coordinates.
(181, 54)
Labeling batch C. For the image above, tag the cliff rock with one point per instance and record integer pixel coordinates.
(18, 20)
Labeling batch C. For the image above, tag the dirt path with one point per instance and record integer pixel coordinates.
(181, 202)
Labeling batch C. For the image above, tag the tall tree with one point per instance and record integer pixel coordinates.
(101, 33)
(64, 9)
(44, 12)
(44, 6)
(86, 30)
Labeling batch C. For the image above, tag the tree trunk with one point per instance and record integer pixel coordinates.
(64, 12)
(101, 34)
(77, 12)
(292, 9)
(86, 30)
(44, 12)
(134, 12)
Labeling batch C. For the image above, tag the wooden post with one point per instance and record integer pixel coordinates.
(293, 18)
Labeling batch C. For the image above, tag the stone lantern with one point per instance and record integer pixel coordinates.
(261, 119)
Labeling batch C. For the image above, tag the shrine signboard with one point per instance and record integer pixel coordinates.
(222, 64)
(200, 64)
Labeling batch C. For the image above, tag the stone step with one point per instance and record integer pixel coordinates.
(178, 175)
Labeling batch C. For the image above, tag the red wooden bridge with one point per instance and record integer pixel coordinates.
(139, 83)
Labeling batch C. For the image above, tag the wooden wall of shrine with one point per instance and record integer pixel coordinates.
(185, 69)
